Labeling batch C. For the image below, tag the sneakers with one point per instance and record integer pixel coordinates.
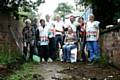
(91, 62)
(50, 60)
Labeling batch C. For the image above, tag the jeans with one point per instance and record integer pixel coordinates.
(93, 48)
(67, 51)
(58, 39)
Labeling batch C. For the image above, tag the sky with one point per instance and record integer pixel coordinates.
(50, 5)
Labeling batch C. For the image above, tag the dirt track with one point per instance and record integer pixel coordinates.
(66, 71)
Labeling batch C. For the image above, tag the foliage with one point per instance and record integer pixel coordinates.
(105, 10)
(13, 6)
(64, 9)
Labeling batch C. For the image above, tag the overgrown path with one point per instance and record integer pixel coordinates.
(64, 71)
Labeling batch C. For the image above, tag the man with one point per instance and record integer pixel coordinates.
(51, 36)
(42, 38)
(59, 34)
(72, 23)
(33, 47)
(59, 31)
(92, 36)
(27, 33)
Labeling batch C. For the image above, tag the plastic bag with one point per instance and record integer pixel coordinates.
(36, 58)
(73, 57)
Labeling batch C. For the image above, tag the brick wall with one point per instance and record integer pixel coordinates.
(110, 44)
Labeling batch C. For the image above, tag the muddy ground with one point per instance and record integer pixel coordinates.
(63, 71)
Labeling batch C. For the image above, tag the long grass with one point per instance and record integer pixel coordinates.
(7, 55)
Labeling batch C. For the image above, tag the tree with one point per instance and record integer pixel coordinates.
(64, 9)
(12, 6)
(106, 11)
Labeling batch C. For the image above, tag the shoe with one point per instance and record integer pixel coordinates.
(43, 60)
(50, 60)
(91, 62)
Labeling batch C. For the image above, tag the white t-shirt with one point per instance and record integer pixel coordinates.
(59, 26)
(72, 25)
(49, 24)
(51, 31)
(91, 30)
(43, 35)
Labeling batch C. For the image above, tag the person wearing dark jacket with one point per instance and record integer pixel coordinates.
(82, 34)
(33, 47)
(27, 33)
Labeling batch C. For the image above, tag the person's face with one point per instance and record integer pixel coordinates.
(72, 19)
(47, 18)
(35, 21)
(42, 23)
(69, 30)
(58, 18)
(28, 24)
(81, 20)
(91, 18)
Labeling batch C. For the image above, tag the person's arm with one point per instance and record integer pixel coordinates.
(23, 34)
(98, 31)
(59, 30)
(37, 35)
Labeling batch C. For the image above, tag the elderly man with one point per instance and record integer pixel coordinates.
(92, 36)
(27, 33)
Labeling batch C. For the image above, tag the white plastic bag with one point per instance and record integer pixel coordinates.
(60, 55)
(73, 57)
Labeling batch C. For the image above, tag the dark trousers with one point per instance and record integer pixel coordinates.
(25, 48)
(32, 51)
(28, 49)
(52, 53)
(83, 43)
(43, 52)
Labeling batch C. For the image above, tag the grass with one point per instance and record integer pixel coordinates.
(26, 72)
(7, 55)
(22, 74)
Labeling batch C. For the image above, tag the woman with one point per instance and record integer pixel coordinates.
(69, 44)
(82, 35)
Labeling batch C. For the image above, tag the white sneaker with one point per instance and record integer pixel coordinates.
(43, 60)
(50, 60)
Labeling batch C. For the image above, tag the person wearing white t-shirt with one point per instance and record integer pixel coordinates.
(42, 40)
(51, 36)
(59, 31)
(92, 36)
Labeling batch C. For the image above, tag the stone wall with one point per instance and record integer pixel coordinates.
(110, 44)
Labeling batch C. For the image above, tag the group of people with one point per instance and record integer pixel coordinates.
(48, 37)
